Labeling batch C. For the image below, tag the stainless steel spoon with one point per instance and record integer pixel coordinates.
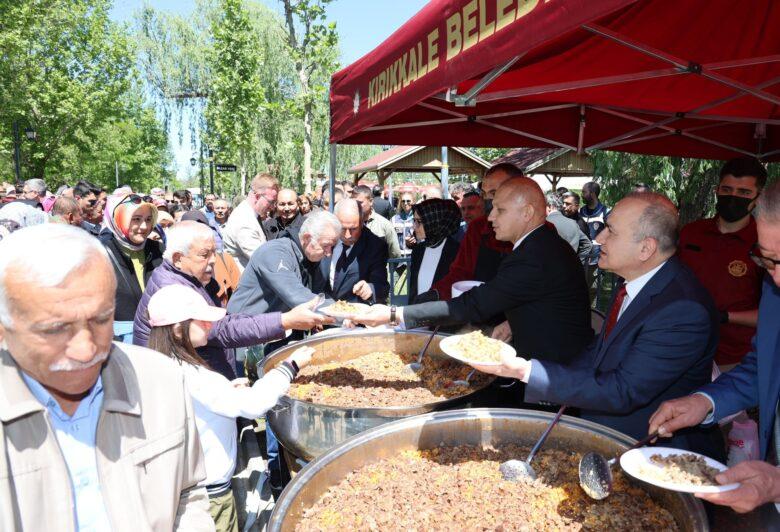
(596, 471)
(461, 382)
(515, 469)
(417, 366)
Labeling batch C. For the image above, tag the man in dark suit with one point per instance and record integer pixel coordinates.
(381, 205)
(357, 269)
(539, 286)
(755, 381)
(657, 342)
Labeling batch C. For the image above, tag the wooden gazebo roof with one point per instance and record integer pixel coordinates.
(420, 159)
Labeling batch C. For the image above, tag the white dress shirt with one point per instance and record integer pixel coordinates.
(338, 249)
(520, 240)
(430, 262)
(633, 288)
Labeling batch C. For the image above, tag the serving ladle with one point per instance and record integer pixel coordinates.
(514, 470)
(596, 471)
(417, 366)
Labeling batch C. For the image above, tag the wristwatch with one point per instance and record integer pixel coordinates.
(393, 315)
(724, 316)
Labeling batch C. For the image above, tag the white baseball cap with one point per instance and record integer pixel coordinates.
(177, 303)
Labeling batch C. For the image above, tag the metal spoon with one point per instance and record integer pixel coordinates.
(596, 471)
(417, 366)
(461, 382)
(515, 469)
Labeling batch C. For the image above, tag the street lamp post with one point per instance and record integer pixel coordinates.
(31, 135)
(16, 152)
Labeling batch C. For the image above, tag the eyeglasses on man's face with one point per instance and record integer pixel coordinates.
(762, 261)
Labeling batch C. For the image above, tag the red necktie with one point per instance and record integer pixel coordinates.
(614, 312)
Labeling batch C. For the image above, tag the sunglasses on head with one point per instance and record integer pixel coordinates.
(133, 198)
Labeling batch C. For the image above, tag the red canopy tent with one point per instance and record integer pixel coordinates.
(694, 78)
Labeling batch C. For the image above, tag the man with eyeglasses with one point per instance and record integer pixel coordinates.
(243, 232)
(34, 189)
(716, 249)
(375, 222)
(571, 209)
(754, 382)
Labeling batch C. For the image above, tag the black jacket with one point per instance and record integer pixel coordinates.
(367, 261)
(540, 289)
(383, 208)
(448, 254)
(273, 228)
(128, 291)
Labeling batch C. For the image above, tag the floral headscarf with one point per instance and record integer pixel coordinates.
(118, 213)
(440, 219)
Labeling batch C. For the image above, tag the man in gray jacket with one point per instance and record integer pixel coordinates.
(567, 228)
(94, 435)
(279, 276)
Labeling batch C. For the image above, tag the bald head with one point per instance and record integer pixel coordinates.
(287, 204)
(348, 213)
(518, 207)
(68, 209)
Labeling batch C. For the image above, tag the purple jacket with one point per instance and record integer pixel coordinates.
(234, 330)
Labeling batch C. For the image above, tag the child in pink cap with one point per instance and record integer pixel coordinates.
(181, 320)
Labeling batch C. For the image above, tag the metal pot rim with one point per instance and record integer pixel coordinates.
(697, 513)
(279, 353)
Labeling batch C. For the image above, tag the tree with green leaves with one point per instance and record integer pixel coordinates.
(236, 96)
(65, 70)
(689, 183)
(311, 41)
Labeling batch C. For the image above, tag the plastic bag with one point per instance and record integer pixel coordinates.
(743, 442)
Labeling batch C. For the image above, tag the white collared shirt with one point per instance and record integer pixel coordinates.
(430, 262)
(338, 249)
(520, 240)
(635, 286)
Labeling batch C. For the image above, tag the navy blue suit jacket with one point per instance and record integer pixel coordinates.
(661, 348)
(367, 261)
(756, 381)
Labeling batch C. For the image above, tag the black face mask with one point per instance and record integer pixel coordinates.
(732, 208)
(488, 206)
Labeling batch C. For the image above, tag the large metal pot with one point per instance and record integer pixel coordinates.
(478, 426)
(307, 430)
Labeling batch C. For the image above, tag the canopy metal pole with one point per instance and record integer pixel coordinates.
(445, 173)
(332, 185)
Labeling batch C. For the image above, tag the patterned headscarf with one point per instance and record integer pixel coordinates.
(118, 213)
(440, 219)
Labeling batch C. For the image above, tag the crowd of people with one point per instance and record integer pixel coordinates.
(195, 298)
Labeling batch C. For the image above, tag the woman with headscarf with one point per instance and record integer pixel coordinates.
(436, 223)
(128, 221)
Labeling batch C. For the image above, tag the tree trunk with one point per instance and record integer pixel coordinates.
(307, 120)
(307, 127)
